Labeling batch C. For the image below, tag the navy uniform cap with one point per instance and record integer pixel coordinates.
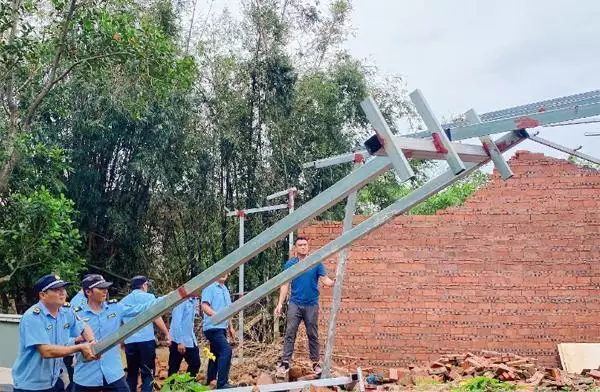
(95, 281)
(50, 281)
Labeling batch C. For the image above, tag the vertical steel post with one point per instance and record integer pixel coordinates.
(291, 204)
(241, 291)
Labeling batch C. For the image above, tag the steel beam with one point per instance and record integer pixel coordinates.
(241, 289)
(426, 149)
(284, 192)
(339, 282)
(312, 208)
(384, 133)
(540, 106)
(414, 148)
(337, 159)
(499, 161)
(415, 197)
(286, 386)
(519, 122)
(291, 207)
(361, 380)
(438, 134)
(291, 201)
(570, 151)
(258, 209)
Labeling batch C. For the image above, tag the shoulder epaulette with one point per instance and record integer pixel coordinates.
(36, 310)
(77, 308)
(113, 301)
(67, 304)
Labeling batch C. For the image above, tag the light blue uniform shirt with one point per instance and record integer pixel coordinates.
(182, 323)
(78, 299)
(139, 297)
(217, 296)
(108, 321)
(38, 326)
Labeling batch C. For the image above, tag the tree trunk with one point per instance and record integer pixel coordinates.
(13, 156)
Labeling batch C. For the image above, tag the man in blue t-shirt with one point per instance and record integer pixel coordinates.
(303, 306)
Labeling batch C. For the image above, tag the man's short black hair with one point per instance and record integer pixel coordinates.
(301, 238)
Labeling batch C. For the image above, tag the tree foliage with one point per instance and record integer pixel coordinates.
(37, 237)
(130, 137)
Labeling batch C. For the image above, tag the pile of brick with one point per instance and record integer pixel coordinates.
(501, 366)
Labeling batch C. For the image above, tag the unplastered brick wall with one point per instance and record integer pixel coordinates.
(515, 269)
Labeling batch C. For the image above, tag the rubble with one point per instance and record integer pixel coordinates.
(521, 371)
(259, 367)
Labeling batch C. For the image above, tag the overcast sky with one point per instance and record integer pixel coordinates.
(486, 55)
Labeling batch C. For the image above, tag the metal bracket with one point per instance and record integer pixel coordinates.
(490, 146)
(439, 137)
(399, 161)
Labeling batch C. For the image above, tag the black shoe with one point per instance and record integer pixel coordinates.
(226, 386)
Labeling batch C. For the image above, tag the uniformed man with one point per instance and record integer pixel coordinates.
(48, 331)
(184, 343)
(140, 348)
(77, 300)
(215, 298)
(105, 318)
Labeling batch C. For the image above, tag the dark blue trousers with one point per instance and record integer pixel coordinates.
(141, 357)
(220, 347)
(118, 386)
(191, 356)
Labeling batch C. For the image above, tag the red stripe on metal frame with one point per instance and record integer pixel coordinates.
(486, 149)
(526, 122)
(437, 142)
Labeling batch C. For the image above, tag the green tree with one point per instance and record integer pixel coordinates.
(37, 237)
(43, 42)
(385, 190)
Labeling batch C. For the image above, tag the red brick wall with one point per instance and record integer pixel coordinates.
(516, 268)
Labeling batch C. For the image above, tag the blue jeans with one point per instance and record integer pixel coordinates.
(141, 357)
(220, 347)
(118, 386)
(59, 386)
